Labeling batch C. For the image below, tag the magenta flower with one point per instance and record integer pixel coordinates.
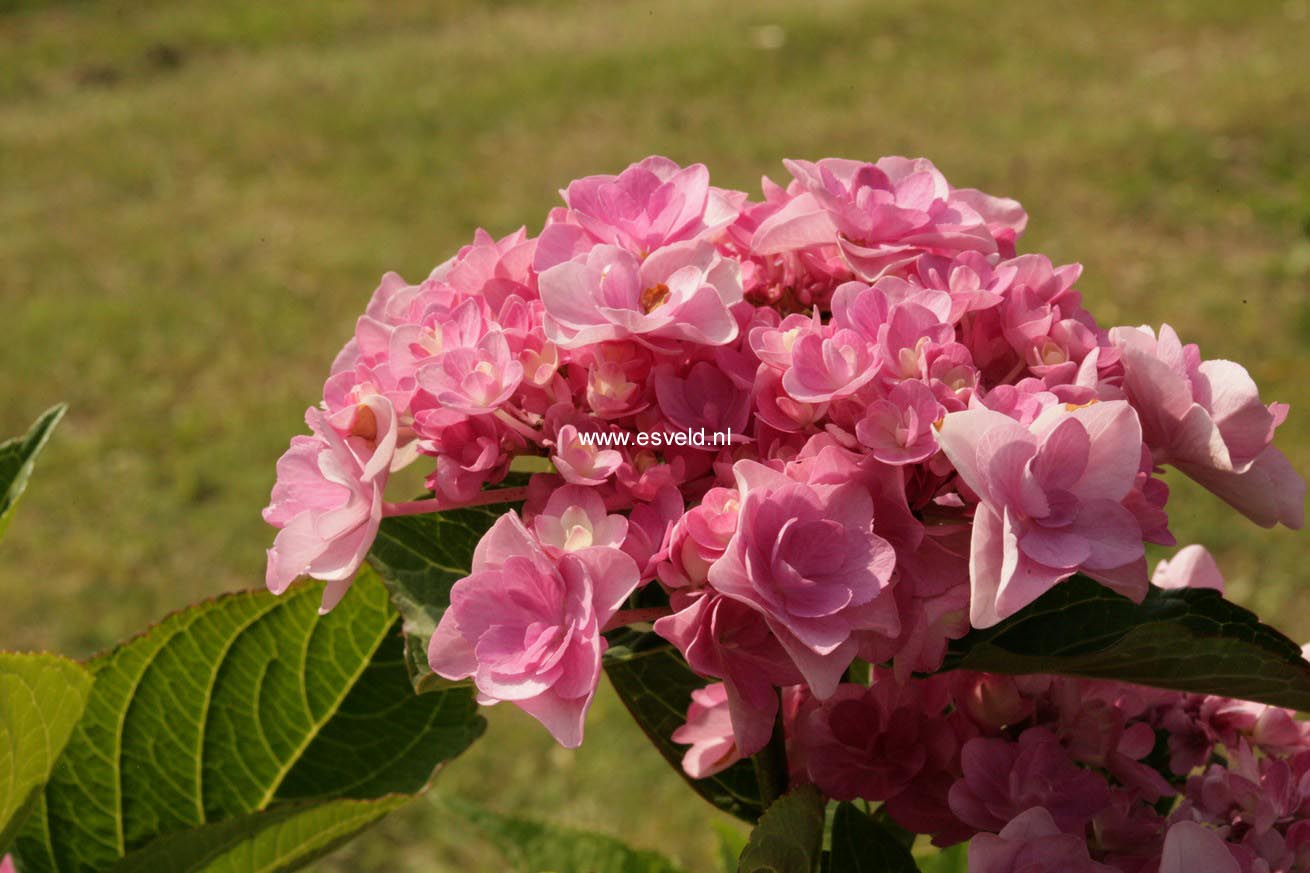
(1032, 843)
(327, 501)
(1206, 419)
(708, 730)
(527, 628)
(1002, 779)
(1051, 502)
(681, 293)
(806, 558)
(702, 398)
(1190, 847)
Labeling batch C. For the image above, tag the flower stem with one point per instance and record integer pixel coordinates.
(771, 769)
(438, 504)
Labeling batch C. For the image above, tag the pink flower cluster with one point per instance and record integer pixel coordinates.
(929, 431)
(1050, 775)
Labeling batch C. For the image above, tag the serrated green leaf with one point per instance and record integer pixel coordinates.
(789, 837)
(420, 557)
(532, 846)
(283, 838)
(18, 456)
(1187, 640)
(232, 707)
(41, 699)
(655, 684)
(861, 845)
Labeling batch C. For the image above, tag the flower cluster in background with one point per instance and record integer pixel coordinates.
(929, 431)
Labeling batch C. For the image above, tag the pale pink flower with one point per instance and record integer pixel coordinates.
(708, 730)
(583, 463)
(7, 864)
(1206, 419)
(647, 206)
(477, 380)
(899, 429)
(1192, 567)
(1051, 502)
(1032, 843)
(526, 628)
(327, 502)
(807, 559)
(700, 537)
(681, 293)
(574, 518)
(826, 366)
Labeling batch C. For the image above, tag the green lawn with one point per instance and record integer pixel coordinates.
(197, 198)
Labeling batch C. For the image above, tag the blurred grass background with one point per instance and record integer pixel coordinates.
(197, 198)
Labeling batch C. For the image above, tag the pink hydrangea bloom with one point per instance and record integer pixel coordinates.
(327, 502)
(647, 206)
(1190, 848)
(526, 628)
(806, 558)
(681, 293)
(1206, 419)
(1032, 843)
(1051, 502)
(708, 731)
(899, 429)
(574, 519)
(1002, 779)
(1192, 567)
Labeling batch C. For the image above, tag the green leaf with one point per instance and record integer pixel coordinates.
(531, 846)
(789, 837)
(420, 557)
(41, 699)
(235, 706)
(655, 684)
(861, 845)
(1187, 640)
(283, 838)
(18, 456)
(952, 860)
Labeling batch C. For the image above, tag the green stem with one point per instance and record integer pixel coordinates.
(771, 764)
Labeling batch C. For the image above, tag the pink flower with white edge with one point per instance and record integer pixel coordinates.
(574, 518)
(1206, 419)
(1032, 843)
(1051, 502)
(708, 730)
(899, 429)
(806, 558)
(647, 206)
(699, 538)
(583, 463)
(327, 502)
(681, 293)
(474, 381)
(526, 628)
(1192, 567)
